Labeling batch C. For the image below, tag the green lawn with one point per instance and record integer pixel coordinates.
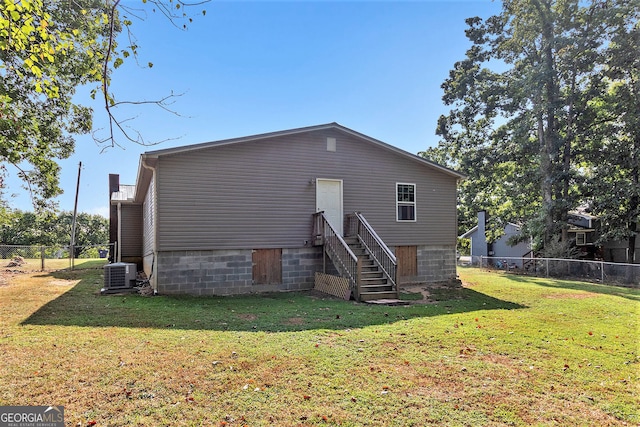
(504, 350)
(51, 264)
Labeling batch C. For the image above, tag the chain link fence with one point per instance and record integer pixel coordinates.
(40, 258)
(607, 273)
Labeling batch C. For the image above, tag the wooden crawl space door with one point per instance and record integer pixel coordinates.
(407, 258)
(267, 266)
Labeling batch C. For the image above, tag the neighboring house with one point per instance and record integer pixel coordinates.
(584, 228)
(582, 231)
(499, 248)
(240, 215)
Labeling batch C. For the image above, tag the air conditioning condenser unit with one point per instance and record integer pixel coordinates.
(119, 277)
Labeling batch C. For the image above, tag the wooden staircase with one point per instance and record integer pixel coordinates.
(373, 283)
(361, 257)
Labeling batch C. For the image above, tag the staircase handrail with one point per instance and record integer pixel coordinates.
(370, 229)
(340, 253)
(379, 251)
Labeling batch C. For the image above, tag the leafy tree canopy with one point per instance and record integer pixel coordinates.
(51, 229)
(49, 48)
(529, 105)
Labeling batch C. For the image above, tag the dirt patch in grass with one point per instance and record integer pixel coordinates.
(7, 274)
(431, 293)
(571, 296)
(247, 316)
(3, 279)
(295, 321)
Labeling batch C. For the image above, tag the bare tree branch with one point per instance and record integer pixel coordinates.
(110, 104)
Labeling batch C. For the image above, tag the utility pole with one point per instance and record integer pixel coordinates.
(73, 222)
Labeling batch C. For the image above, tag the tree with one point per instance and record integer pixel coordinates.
(521, 109)
(45, 54)
(47, 50)
(91, 230)
(50, 229)
(613, 186)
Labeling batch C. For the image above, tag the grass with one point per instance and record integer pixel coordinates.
(35, 264)
(504, 350)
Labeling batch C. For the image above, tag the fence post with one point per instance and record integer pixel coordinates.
(602, 272)
(547, 264)
(41, 258)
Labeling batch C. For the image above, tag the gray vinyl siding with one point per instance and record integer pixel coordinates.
(131, 229)
(148, 220)
(261, 194)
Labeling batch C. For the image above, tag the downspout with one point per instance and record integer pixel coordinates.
(119, 257)
(154, 249)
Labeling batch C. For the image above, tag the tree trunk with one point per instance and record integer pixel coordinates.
(634, 206)
(631, 269)
(546, 186)
(551, 145)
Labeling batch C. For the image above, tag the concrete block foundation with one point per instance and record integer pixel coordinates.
(230, 272)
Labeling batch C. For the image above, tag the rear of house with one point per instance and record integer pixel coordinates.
(237, 216)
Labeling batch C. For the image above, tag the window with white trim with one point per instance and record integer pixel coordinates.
(405, 202)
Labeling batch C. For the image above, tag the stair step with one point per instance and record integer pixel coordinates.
(387, 301)
(376, 287)
(369, 296)
(382, 289)
(370, 272)
(372, 277)
(376, 281)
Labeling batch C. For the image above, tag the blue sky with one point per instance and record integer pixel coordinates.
(250, 67)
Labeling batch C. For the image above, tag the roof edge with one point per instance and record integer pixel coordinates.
(223, 142)
(333, 125)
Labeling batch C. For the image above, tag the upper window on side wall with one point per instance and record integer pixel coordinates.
(405, 202)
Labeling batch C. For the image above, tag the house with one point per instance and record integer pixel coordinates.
(267, 212)
(584, 228)
(499, 248)
(583, 232)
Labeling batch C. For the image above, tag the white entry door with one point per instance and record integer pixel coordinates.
(329, 200)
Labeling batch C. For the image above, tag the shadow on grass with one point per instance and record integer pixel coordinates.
(83, 264)
(83, 305)
(596, 288)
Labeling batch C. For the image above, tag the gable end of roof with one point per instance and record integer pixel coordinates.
(333, 125)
